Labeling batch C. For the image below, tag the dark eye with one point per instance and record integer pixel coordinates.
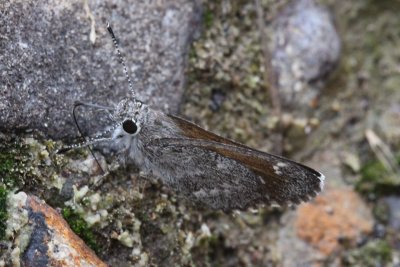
(129, 126)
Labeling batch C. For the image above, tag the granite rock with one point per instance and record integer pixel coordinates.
(53, 53)
(305, 49)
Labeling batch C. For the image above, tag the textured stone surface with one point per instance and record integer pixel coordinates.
(389, 123)
(336, 221)
(367, 82)
(337, 215)
(306, 47)
(55, 52)
(393, 204)
(41, 237)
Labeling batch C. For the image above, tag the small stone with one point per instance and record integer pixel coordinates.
(393, 204)
(335, 106)
(205, 230)
(389, 123)
(144, 259)
(103, 213)
(287, 119)
(306, 47)
(352, 161)
(314, 122)
(379, 230)
(136, 252)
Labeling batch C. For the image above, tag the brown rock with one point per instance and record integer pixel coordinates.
(51, 241)
(334, 216)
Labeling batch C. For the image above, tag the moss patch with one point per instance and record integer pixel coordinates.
(14, 158)
(80, 227)
(224, 74)
(208, 18)
(376, 180)
(3, 212)
(375, 253)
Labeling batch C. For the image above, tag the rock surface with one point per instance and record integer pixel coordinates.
(142, 224)
(393, 204)
(306, 47)
(335, 216)
(336, 220)
(53, 53)
(41, 237)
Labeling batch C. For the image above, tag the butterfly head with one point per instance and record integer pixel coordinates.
(129, 118)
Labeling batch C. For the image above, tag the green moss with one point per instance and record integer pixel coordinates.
(13, 160)
(376, 180)
(7, 177)
(208, 18)
(375, 253)
(3, 212)
(80, 227)
(208, 250)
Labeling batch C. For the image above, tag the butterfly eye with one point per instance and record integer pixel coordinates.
(129, 126)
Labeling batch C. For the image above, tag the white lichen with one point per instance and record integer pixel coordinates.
(94, 200)
(126, 239)
(92, 218)
(18, 216)
(79, 194)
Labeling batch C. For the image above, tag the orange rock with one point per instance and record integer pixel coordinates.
(52, 242)
(333, 216)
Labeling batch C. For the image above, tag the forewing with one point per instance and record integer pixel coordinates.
(228, 176)
(191, 130)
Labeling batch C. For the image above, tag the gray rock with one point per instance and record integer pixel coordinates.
(305, 49)
(393, 204)
(53, 53)
(389, 123)
(293, 250)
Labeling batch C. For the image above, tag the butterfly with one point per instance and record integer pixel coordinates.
(201, 166)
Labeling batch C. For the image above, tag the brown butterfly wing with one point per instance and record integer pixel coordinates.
(293, 180)
(191, 130)
(282, 180)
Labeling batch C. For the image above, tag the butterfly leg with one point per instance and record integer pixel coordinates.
(98, 180)
(86, 104)
(91, 105)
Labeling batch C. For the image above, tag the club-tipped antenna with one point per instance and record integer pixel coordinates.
(98, 138)
(121, 59)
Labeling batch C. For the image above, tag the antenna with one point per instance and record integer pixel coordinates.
(77, 104)
(121, 59)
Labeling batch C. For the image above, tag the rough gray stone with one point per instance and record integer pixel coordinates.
(305, 49)
(53, 53)
(393, 204)
(389, 123)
